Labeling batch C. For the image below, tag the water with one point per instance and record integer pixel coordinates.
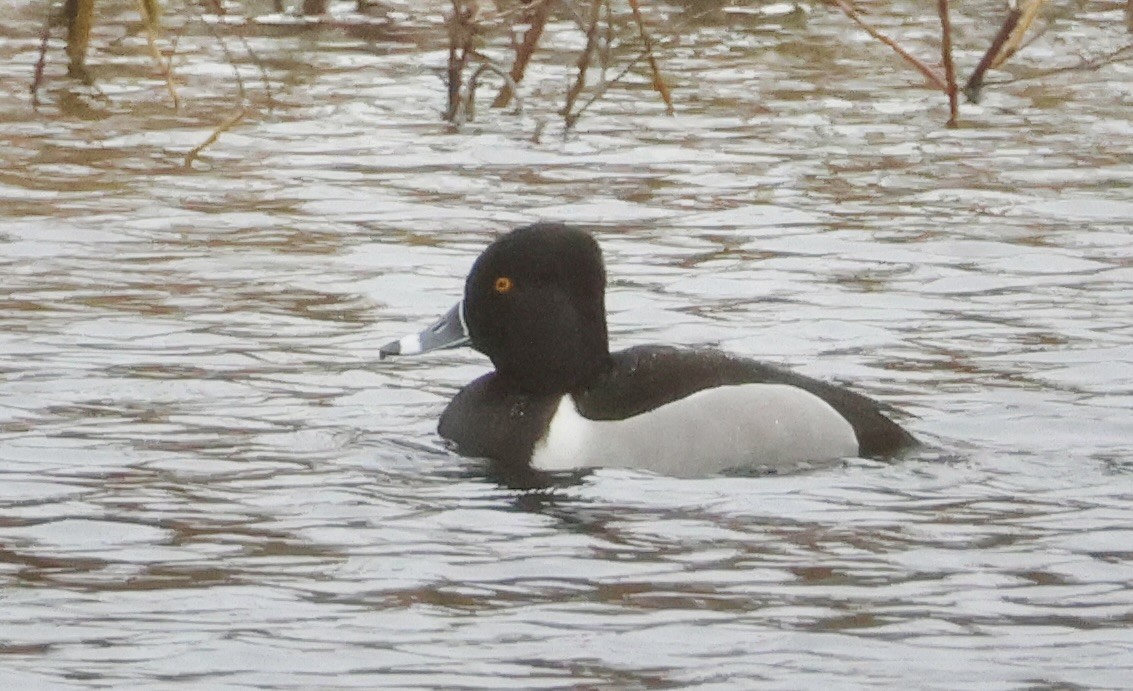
(207, 478)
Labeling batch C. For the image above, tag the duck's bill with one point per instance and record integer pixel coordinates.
(449, 331)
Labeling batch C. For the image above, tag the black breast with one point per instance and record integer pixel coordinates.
(491, 419)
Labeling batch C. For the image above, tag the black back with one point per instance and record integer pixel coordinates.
(647, 377)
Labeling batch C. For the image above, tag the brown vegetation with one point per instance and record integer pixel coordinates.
(615, 31)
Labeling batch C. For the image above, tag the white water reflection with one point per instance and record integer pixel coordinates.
(207, 477)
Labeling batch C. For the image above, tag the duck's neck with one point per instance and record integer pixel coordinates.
(558, 362)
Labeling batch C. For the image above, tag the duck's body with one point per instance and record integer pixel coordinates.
(675, 411)
(559, 400)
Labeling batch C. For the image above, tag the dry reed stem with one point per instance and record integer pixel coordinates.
(152, 10)
(462, 29)
(1122, 54)
(486, 65)
(79, 23)
(41, 60)
(975, 82)
(583, 61)
(1030, 10)
(658, 82)
(924, 69)
(536, 15)
(152, 24)
(314, 7)
(603, 88)
(608, 41)
(223, 127)
(218, 9)
(946, 58)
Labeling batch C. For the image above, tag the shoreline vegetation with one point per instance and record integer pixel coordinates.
(498, 41)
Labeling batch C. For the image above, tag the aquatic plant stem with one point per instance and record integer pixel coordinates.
(486, 65)
(946, 58)
(1028, 13)
(80, 18)
(218, 9)
(921, 67)
(41, 60)
(223, 127)
(583, 62)
(603, 88)
(658, 81)
(461, 29)
(975, 82)
(148, 9)
(535, 15)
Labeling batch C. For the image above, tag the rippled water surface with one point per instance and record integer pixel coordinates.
(207, 477)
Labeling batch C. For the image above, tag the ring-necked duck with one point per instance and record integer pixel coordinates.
(534, 303)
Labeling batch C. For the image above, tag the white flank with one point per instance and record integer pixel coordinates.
(409, 345)
(749, 425)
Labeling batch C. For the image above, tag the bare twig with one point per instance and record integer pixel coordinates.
(1029, 12)
(658, 81)
(608, 42)
(80, 17)
(315, 7)
(223, 127)
(486, 65)
(924, 69)
(461, 31)
(150, 20)
(975, 82)
(218, 9)
(602, 89)
(1121, 54)
(152, 11)
(535, 15)
(946, 58)
(41, 59)
(584, 60)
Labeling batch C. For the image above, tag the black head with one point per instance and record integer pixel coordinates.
(534, 303)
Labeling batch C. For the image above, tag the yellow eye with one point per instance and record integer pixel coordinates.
(503, 285)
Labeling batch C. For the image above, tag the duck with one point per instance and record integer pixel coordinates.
(559, 400)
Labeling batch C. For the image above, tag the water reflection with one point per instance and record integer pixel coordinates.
(208, 477)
